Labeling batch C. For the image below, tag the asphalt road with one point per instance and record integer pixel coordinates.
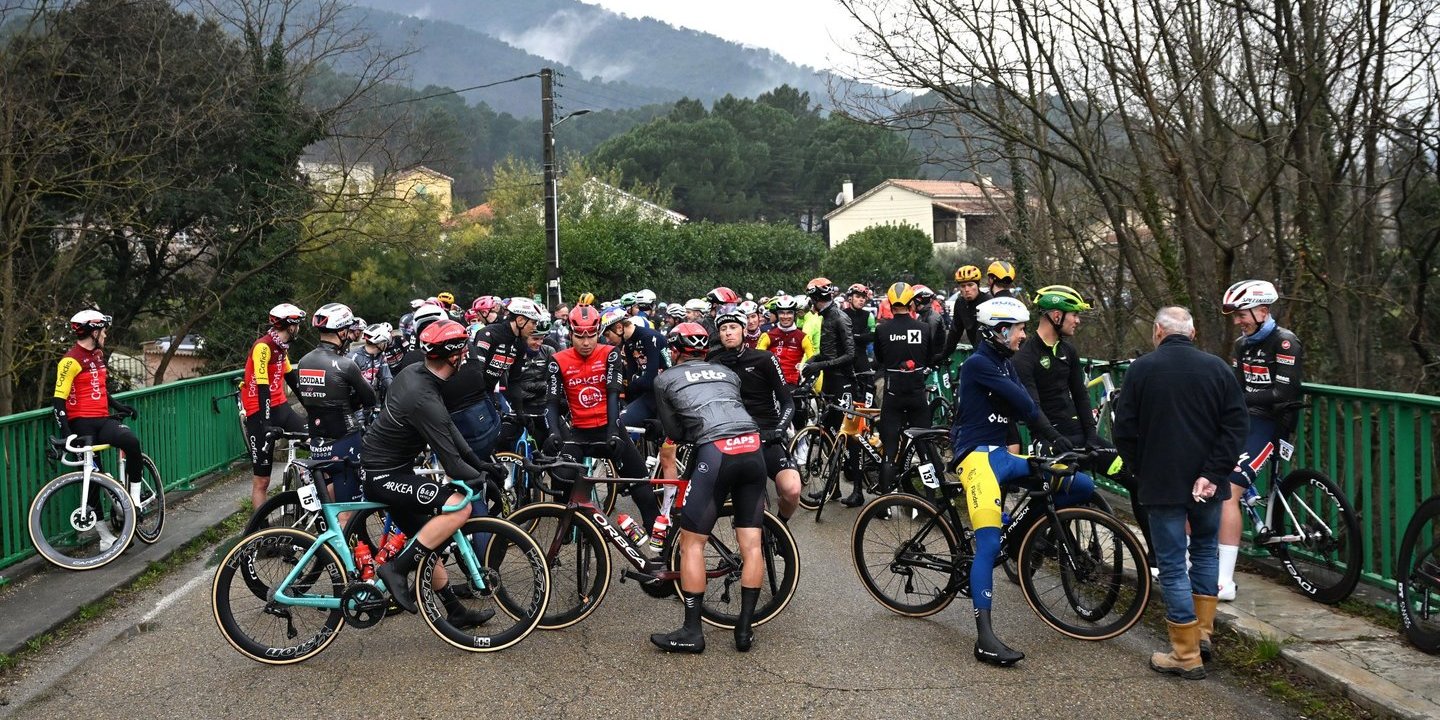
(833, 653)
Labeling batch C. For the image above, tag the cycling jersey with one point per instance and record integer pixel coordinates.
(752, 340)
(1270, 367)
(790, 346)
(376, 371)
(534, 375)
(903, 348)
(936, 322)
(493, 359)
(589, 384)
(644, 359)
(836, 355)
(963, 324)
(699, 402)
(862, 330)
(1056, 382)
(762, 388)
(331, 389)
(412, 419)
(990, 397)
(267, 364)
(81, 383)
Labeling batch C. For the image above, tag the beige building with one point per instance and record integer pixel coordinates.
(951, 213)
(420, 183)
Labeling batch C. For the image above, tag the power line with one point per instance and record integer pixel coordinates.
(456, 92)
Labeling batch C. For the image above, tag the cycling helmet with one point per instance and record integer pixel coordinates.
(333, 317)
(378, 334)
(484, 304)
(995, 316)
(900, 294)
(448, 298)
(820, 289)
(1248, 294)
(689, 338)
(286, 315)
(612, 316)
(732, 315)
(722, 296)
(924, 294)
(585, 299)
(786, 303)
(584, 320)
(1001, 270)
(747, 308)
(676, 310)
(627, 299)
(87, 321)
(859, 289)
(1060, 297)
(542, 326)
(967, 273)
(526, 308)
(443, 340)
(645, 298)
(697, 305)
(416, 303)
(428, 314)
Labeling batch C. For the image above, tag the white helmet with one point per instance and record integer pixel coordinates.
(697, 305)
(285, 314)
(747, 308)
(87, 321)
(427, 314)
(788, 303)
(675, 310)
(378, 334)
(645, 298)
(526, 308)
(1248, 294)
(416, 303)
(333, 317)
(995, 316)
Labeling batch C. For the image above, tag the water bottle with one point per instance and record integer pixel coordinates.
(631, 529)
(1251, 498)
(657, 534)
(364, 561)
(392, 547)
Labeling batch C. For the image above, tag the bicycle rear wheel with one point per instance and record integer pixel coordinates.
(810, 449)
(150, 513)
(283, 510)
(1012, 564)
(721, 606)
(262, 628)
(579, 561)
(1326, 564)
(1087, 578)
(512, 582)
(67, 532)
(906, 555)
(1417, 573)
(907, 474)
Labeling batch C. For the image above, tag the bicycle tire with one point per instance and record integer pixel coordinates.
(233, 610)
(941, 410)
(815, 442)
(150, 514)
(1417, 573)
(518, 489)
(579, 563)
(517, 586)
(1012, 564)
(891, 539)
(833, 470)
(283, 510)
(1114, 588)
(1326, 568)
(907, 473)
(55, 512)
(721, 605)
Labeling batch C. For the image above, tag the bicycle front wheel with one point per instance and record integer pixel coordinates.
(810, 449)
(1326, 562)
(1417, 573)
(906, 555)
(282, 510)
(70, 532)
(150, 513)
(510, 585)
(1086, 577)
(577, 557)
(721, 606)
(267, 630)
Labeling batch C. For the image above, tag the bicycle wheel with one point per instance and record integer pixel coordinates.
(906, 555)
(810, 448)
(907, 473)
(1326, 564)
(67, 532)
(512, 581)
(578, 561)
(941, 411)
(605, 495)
(721, 605)
(517, 490)
(1417, 573)
(1012, 564)
(283, 510)
(262, 628)
(150, 514)
(1088, 579)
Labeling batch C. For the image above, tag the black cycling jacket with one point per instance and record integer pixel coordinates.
(644, 353)
(936, 323)
(903, 349)
(331, 389)
(414, 417)
(837, 345)
(1271, 371)
(860, 329)
(699, 402)
(493, 358)
(1056, 382)
(762, 387)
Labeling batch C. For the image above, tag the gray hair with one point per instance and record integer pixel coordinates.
(1175, 320)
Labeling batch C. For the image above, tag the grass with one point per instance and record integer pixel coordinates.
(1257, 664)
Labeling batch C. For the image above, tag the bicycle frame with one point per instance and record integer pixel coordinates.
(1273, 499)
(85, 460)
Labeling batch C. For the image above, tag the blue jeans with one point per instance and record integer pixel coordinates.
(479, 424)
(1167, 528)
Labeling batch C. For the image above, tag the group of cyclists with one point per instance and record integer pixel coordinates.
(719, 373)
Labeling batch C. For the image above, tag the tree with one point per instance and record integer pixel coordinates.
(881, 255)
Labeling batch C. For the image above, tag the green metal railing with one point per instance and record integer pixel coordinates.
(178, 428)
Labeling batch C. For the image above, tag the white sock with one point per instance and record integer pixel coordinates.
(1227, 564)
(1187, 555)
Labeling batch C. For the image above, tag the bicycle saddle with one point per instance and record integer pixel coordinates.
(922, 433)
(313, 465)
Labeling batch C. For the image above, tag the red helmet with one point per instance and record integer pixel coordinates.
(443, 339)
(584, 319)
(723, 296)
(859, 289)
(820, 289)
(689, 337)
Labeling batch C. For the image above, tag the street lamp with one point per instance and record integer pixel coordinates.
(552, 209)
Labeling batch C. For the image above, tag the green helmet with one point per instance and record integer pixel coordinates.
(1060, 297)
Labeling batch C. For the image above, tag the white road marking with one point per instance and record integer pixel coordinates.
(176, 594)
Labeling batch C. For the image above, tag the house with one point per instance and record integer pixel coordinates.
(420, 183)
(187, 362)
(333, 178)
(597, 193)
(952, 213)
(357, 181)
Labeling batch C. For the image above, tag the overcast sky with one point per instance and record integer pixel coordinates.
(809, 32)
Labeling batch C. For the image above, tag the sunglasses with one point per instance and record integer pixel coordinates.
(585, 335)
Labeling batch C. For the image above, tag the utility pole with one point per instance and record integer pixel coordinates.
(552, 226)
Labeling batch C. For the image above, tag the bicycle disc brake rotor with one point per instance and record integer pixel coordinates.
(83, 519)
(363, 605)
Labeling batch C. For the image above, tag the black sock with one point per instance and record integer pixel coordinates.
(692, 609)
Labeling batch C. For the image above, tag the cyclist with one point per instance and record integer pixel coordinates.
(82, 404)
(589, 377)
(962, 320)
(699, 403)
(493, 359)
(903, 348)
(674, 315)
(643, 351)
(267, 370)
(407, 321)
(534, 377)
(644, 305)
(1001, 277)
(331, 389)
(751, 312)
(424, 315)
(413, 420)
(924, 311)
(696, 310)
(767, 399)
(990, 396)
(721, 299)
(447, 302)
(1049, 366)
(835, 358)
(790, 346)
(1270, 362)
(862, 330)
(372, 359)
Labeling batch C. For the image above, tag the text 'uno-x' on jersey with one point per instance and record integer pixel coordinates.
(267, 364)
(80, 381)
(584, 382)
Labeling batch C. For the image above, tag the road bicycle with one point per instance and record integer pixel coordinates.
(1417, 578)
(942, 408)
(820, 457)
(573, 538)
(1081, 570)
(282, 595)
(518, 489)
(71, 514)
(283, 509)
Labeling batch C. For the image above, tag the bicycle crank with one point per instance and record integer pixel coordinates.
(363, 605)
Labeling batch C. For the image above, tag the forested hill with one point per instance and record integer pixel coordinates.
(609, 60)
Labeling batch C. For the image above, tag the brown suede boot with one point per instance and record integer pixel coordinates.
(1205, 615)
(1184, 656)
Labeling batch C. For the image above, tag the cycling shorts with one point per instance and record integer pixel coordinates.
(732, 468)
(777, 458)
(262, 448)
(1259, 446)
(344, 484)
(982, 472)
(412, 499)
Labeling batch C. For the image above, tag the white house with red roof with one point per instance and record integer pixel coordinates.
(954, 214)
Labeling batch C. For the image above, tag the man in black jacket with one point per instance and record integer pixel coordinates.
(836, 359)
(1180, 422)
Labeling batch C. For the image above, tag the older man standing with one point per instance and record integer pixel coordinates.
(1180, 422)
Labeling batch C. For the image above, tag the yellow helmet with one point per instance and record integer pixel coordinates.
(900, 294)
(446, 297)
(1001, 270)
(585, 299)
(968, 273)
